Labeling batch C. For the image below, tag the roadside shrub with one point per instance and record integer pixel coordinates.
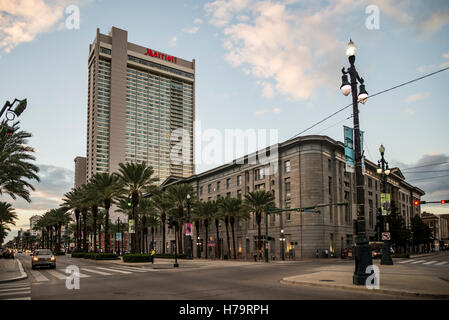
(401, 255)
(78, 254)
(136, 258)
(170, 256)
(104, 256)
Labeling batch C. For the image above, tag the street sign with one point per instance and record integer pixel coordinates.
(118, 236)
(211, 243)
(131, 226)
(385, 236)
(189, 229)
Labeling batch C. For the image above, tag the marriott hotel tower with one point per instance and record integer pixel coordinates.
(138, 99)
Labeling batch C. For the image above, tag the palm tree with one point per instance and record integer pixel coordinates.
(61, 217)
(256, 202)
(147, 219)
(108, 187)
(7, 216)
(94, 200)
(74, 200)
(224, 207)
(162, 206)
(136, 178)
(232, 208)
(16, 170)
(178, 195)
(205, 212)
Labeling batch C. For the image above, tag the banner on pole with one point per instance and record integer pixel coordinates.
(188, 229)
(131, 226)
(361, 147)
(385, 203)
(118, 236)
(349, 149)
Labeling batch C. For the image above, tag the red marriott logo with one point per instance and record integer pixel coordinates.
(162, 56)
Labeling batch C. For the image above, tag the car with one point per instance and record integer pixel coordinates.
(19, 251)
(8, 254)
(43, 257)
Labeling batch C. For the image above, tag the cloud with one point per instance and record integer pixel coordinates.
(191, 30)
(267, 88)
(22, 20)
(426, 68)
(416, 97)
(427, 174)
(197, 21)
(295, 45)
(410, 111)
(260, 112)
(172, 41)
(277, 110)
(435, 21)
(446, 55)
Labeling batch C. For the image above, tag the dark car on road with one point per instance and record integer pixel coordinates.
(8, 254)
(43, 257)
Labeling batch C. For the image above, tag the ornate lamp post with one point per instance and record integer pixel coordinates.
(190, 220)
(282, 240)
(382, 169)
(121, 236)
(362, 254)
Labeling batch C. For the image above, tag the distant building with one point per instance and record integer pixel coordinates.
(80, 171)
(33, 220)
(310, 171)
(438, 225)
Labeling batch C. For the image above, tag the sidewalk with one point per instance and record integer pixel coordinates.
(11, 270)
(393, 280)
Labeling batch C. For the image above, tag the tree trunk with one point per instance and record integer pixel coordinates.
(228, 251)
(99, 236)
(163, 218)
(152, 237)
(233, 238)
(258, 220)
(136, 239)
(107, 205)
(197, 227)
(94, 214)
(218, 238)
(180, 235)
(77, 231)
(84, 214)
(206, 225)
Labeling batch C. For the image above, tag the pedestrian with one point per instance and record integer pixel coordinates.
(152, 255)
(260, 255)
(317, 253)
(255, 256)
(326, 253)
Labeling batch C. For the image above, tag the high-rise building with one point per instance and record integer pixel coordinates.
(140, 101)
(80, 171)
(33, 220)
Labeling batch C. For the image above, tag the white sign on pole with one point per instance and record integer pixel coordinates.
(385, 236)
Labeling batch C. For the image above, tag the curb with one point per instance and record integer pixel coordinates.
(416, 256)
(363, 289)
(23, 275)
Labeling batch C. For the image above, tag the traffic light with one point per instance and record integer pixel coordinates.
(129, 203)
(9, 130)
(444, 201)
(416, 202)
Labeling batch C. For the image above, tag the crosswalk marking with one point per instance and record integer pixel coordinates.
(14, 293)
(441, 263)
(15, 289)
(57, 274)
(430, 262)
(114, 270)
(96, 271)
(419, 261)
(134, 269)
(407, 261)
(38, 276)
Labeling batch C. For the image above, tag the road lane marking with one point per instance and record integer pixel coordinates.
(114, 270)
(14, 289)
(13, 286)
(14, 293)
(441, 263)
(419, 261)
(430, 262)
(96, 271)
(82, 275)
(38, 276)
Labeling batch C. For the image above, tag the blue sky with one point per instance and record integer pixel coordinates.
(259, 64)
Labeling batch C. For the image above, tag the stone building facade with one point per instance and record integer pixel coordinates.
(301, 172)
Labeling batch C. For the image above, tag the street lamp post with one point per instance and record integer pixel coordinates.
(383, 170)
(362, 255)
(282, 239)
(189, 219)
(117, 242)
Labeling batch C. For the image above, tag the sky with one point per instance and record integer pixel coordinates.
(259, 65)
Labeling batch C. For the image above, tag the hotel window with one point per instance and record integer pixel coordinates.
(259, 173)
(218, 185)
(330, 187)
(228, 183)
(371, 215)
(288, 216)
(228, 195)
(239, 194)
(287, 166)
(287, 188)
(329, 164)
(239, 180)
(246, 176)
(370, 183)
(209, 188)
(260, 186)
(201, 191)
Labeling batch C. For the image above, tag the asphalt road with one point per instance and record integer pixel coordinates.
(258, 281)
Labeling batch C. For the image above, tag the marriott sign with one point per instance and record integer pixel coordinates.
(153, 53)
